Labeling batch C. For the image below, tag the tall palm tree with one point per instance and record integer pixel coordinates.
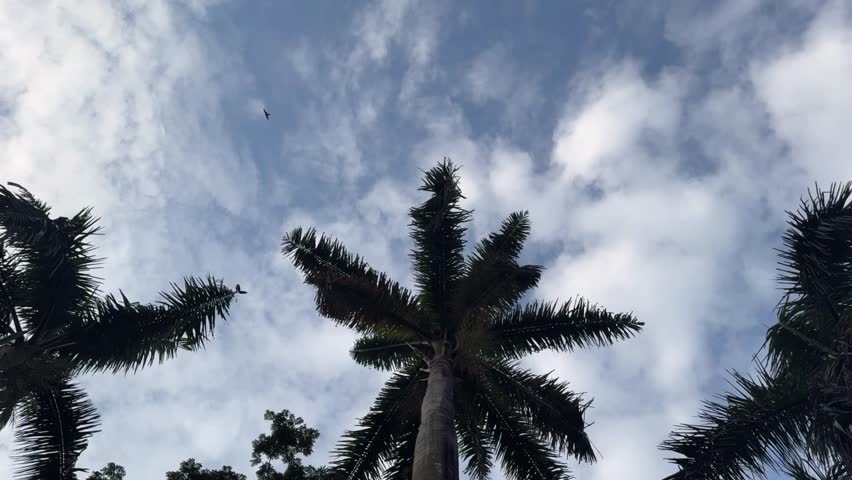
(799, 404)
(53, 326)
(454, 348)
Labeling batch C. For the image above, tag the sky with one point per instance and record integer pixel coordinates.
(656, 145)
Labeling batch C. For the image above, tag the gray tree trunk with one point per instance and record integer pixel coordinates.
(436, 453)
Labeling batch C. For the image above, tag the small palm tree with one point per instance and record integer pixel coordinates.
(53, 326)
(800, 403)
(454, 348)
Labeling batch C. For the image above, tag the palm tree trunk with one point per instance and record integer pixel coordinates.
(436, 453)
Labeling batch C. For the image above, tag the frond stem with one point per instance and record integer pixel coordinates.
(373, 349)
(8, 299)
(61, 435)
(812, 342)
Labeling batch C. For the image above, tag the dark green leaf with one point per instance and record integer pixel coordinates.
(438, 233)
(554, 411)
(289, 437)
(402, 464)
(192, 470)
(56, 260)
(474, 439)
(493, 281)
(361, 453)
(761, 421)
(111, 471)
(124, 335)
(521, 453)
(386, 353)
(541, 326)
(52, 430)
(348, 290)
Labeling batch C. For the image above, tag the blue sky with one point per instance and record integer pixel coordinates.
(656, 145)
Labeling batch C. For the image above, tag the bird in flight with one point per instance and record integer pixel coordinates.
(266, 113)
(238, 290)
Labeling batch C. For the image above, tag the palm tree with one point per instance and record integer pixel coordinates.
(799, 404)
(54, 326)
(466, 327)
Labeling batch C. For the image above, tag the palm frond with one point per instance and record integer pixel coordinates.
(830, 434)
(815, 266)
(387, 353)
(56, 260)
(438, 232)
(348, 290)
(474, 440)
(762, 422)
(124, 335)
(361, 453)
(493, 280)
(12, 290)
(9, 398)
(555, 412)
(53, 427)
(540, 326)
(808, 469)
(401, 465)
(520, 452)
(795, 343)
(24, 219)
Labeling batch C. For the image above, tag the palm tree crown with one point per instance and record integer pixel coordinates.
(796, 412)
(53, 326)
(466, 327)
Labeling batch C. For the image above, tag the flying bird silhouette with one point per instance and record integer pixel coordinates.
(238, 290)
(266, 113)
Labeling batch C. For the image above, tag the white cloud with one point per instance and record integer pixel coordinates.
(404, 24)
(131, 100)
(327, 142)
(488, 78)
(254, 107)
(338, 124)
(597, 138)
(700, 26)
(494, 77)
(806, 90)
(378, 28)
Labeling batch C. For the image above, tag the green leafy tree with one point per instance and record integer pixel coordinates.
(192, 470)
(112, 471)
(454, 347)
(53, 326)
(288, 438)
(799, 404)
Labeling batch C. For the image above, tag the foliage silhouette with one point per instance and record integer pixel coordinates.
(454, 347)
(54, 325)
(796, 413)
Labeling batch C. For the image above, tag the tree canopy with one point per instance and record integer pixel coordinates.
(795, 413)
(54, 325)
(289, 439)
(454, 347)
(111, 471)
